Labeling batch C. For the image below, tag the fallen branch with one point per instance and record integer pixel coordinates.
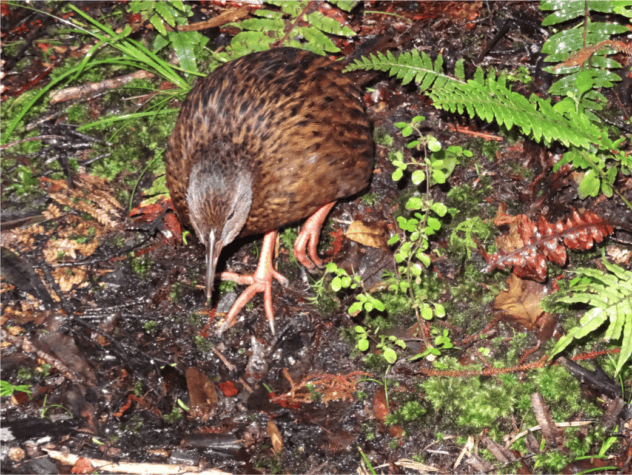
(127, 467)
(78, 92)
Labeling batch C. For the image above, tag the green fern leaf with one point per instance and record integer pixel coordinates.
(610, 296)
(459, 69)
(319, 40)
(346, 5)
(262, 24)
(292, 8)
(329, 25)
(408, 66)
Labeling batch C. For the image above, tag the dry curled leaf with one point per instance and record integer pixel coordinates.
(372, 236)
(521, 300)
(275, 436)
(52, 212)
(66, 277)
(380, 408)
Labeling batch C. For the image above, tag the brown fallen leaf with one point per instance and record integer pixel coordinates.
(522, 300)
(380, 408)
(372, 236)
(275, 436)
(202, 394)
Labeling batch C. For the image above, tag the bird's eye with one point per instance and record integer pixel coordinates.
(231, 215)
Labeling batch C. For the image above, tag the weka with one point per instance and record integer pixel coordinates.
(262, 142)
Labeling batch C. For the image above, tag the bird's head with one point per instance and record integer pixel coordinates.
(219, 203)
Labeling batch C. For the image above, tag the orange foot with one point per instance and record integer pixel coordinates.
(307, 239)
(260, 281)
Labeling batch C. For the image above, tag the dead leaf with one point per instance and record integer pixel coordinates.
(275, 436)
(372, 236)
(380, 409)
(83, 465)
(202, 394)
(522, 300)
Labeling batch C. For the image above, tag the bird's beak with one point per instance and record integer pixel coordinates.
(213, 249)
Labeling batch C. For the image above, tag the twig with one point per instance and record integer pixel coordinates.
(219, 20)
(127, 467)
(231, 367)
(557, 424)
(77, 92)
(32, 139)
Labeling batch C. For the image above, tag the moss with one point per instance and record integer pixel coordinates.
(474, 403)
(475, 289)
(202, 344)
(551, 461)
(369, 199)
(195, 319)
(381, 137)
(174, 416)
(562, 393)
(470, 202)
(151, 327)
(517, 345)
(409, 411)
(78, 114)
(142, 265)
(175, 293)
(25, 374)
(268, 463)
(376, 363)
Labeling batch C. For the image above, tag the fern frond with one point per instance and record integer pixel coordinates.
(490, 99)
(408, 66)
(610, 296)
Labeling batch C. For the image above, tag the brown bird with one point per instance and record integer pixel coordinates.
(262, 142)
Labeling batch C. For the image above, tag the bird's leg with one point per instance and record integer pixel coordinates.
(260, 281)
(307, 239)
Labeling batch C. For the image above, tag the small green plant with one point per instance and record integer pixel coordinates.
(385, 346)
(174, 416)
(367, 462)
(46, 408)
(151, 327)
(442, 341)
(411, 255)
(203, 345)
(142, 264)
(139, 387)
(364, 301)
(7, 389)
(488, 97)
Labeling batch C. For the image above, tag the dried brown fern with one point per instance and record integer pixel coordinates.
(536, 243)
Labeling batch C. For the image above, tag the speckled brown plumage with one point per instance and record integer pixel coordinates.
(265, 141)
(288, 115)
